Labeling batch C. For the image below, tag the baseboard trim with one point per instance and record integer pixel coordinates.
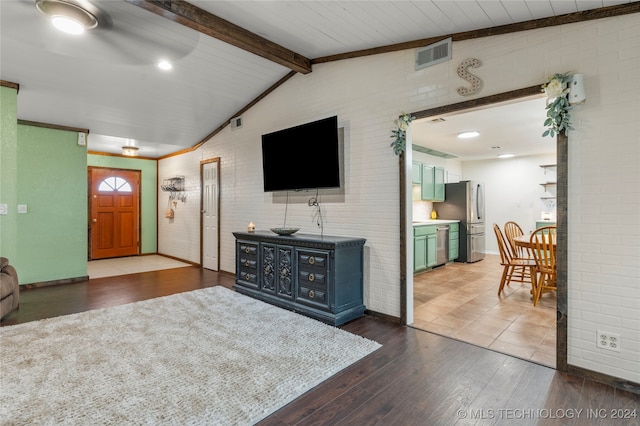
(616, 382)
(54, 282)
(385, 317)
(176, 258)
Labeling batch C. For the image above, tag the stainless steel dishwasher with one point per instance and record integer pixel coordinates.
(442, 243)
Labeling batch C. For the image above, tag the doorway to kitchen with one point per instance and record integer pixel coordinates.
(460, 300)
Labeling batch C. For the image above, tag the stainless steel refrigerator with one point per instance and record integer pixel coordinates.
(464, 201)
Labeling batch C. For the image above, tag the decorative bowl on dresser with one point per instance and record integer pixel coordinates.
(317, 276)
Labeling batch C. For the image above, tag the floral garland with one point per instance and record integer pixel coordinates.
(400, 133)
(558, 117)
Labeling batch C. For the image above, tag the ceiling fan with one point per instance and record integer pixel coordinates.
(114, 32)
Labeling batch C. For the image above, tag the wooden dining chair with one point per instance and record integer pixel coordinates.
(511, 231)
(513, 267)
(544, 252)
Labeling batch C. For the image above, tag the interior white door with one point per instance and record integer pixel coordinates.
(210, 200)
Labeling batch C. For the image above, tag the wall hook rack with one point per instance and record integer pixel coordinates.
(175, 187)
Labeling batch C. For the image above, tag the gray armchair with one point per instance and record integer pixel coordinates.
(9, 288)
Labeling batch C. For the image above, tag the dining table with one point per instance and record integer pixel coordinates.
(525, 240)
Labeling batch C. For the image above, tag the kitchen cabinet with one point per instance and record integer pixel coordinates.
(424, 247)
(416, 173)
(432, 183)
(541, 223)
(318, 276)
(454, 238)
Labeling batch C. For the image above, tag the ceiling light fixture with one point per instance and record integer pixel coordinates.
(506, 155)
(130, 151)
(66, 16)
(469, 134)
(164, 65)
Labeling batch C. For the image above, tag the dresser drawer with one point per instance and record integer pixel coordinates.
(247, 264)
(313, 296)
(313, 278)
(248, 249)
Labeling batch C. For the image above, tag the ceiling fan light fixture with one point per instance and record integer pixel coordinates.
(130, 151)
(66, 16)
(469, 134)
(164, 65)
(67, 25)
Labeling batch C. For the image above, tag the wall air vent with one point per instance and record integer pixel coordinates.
(236, 123)
(433, 54)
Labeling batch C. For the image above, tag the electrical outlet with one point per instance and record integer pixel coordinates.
(609, 341)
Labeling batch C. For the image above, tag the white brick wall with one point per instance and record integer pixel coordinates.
(180, 237)
(368, 93)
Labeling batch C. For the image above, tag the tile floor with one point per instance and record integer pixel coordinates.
(460, 300)
(131, 265)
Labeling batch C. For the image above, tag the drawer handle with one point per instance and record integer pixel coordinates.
(247, 263)
(312, 277)
(312, 294)
(312, 260)
(247, 250)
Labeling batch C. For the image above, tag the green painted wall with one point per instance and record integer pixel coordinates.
(52, 182)
(149, 196)
(8, 172)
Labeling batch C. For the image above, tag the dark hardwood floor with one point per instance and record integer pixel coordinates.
(416, 378)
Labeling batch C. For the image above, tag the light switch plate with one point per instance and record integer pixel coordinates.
(22, 208)
(82, 139)
(4, 209)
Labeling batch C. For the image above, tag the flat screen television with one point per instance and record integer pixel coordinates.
(302, 157)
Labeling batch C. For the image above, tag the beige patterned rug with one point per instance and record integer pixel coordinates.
(205, 357)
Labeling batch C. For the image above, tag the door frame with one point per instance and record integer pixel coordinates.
(562, 203)
(202, 164)
(89, 207)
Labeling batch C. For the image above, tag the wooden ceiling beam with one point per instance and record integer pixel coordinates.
(200, 20)
(569, 18)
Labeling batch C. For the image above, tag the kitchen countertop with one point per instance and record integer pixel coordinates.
(435, 222)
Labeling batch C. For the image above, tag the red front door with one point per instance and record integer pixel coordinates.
(114, 215)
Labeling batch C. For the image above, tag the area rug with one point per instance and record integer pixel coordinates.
(205, 357)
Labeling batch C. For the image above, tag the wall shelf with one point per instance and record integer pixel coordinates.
(546, 184)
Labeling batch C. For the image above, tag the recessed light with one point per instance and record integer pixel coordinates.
(469, 134)
(164, 65)
(506, 155)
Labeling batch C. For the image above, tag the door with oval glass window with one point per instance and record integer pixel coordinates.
(114, 212)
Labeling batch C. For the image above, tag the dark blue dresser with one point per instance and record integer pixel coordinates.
(317, 276)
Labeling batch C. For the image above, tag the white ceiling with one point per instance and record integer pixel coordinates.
(106, 81)
(506, 128)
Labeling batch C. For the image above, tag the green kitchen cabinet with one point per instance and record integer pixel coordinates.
(416, 173)
(424, 247)
(438, 183)
(432, 183)
(454, 238)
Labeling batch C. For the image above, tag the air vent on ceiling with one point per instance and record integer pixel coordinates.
(236, 123)
(433, 54)
(433, 152)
